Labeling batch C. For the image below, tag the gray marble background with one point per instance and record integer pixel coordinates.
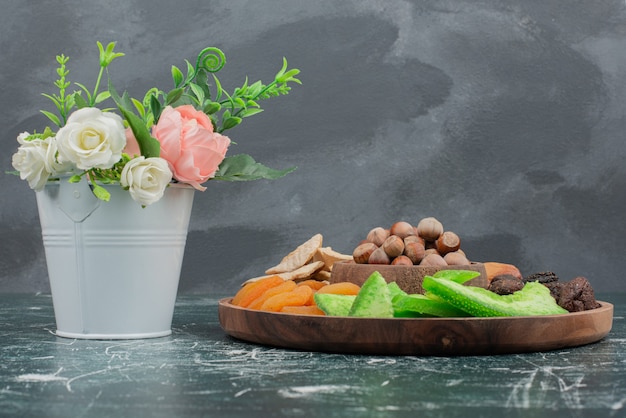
(503, 119)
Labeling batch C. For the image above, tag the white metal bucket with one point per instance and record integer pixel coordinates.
(114, 266)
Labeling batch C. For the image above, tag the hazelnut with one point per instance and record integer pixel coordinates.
(401, 229)
(377, 235)
(414, 251)
(379, 256)
(456, 258)
(429, 228)
(434, 260)
(414, 238)
(448, 242)
(402, 260)
(361, 253)
(430, 250)
(393, 246)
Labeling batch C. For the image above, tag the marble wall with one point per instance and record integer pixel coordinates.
(504, 120)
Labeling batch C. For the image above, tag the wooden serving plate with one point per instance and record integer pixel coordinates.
(413, 336)
(408, 278)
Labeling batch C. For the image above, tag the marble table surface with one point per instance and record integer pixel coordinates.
(200, 371)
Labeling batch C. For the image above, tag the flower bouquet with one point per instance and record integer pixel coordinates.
(185, 145)
(115, 187)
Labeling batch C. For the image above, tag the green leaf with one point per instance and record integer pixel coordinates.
(255, 89)
(244, 87)
(191, 72)
(139, 106)
(155, 107)
(124, 100)
(202, 80)
(211, 107)
(101, 193)
(178, 76)
(231, 122)
(102, 96)
(249, 112)
(242, 167)
(218, 88)
(85, 89)
(148, 145)
(70, 101)
(108, 55)
(197, 90)
(80, 100)
(280, 73)
(288, 76)
(174, 95)
(239, 102)
(54, 99)
(54, 118)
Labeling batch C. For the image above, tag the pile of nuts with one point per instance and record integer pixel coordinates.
(426, 244)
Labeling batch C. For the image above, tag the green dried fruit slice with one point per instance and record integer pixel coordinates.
(334, 305)
(533, 299)
(374, 299)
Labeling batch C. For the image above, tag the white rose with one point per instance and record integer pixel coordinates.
(92, 138)
(53, 165)
(22, 138)
(36, 161)
(146, 179)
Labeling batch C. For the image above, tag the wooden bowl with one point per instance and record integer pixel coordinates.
(408, 278)
(416, 336)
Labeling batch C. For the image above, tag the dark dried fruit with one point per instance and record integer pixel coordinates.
(555, 289)
(543, 277)
(505, 284)
(577, 295)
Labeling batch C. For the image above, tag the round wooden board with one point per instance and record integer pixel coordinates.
(413, 336)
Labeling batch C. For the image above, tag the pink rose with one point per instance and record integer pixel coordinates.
(132, 147)
(188, 143)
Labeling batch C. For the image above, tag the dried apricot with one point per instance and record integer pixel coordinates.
(297, 297)
(341, 288)
(286, 286)
(313, 284)
(253, 290)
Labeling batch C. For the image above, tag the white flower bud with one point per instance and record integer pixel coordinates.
(146, 179)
